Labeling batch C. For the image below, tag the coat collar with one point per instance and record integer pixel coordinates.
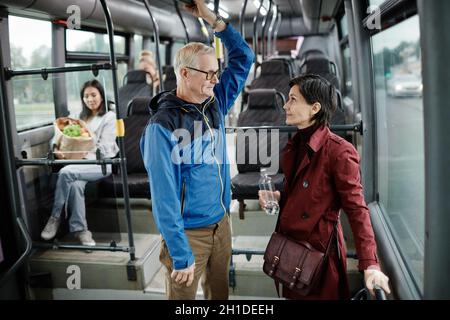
(318, 138)
(316, 142)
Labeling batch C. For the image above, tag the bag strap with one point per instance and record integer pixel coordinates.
(276, 258)
(275, 263)
(298, 269)
(334, 235)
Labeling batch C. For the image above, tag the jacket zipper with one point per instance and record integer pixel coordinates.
(183, 195)
(205, 118)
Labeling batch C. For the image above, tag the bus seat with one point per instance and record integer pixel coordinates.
(317, 63)
(264, 109)
(138, 114)
(275, 74)
(293, 70)
(135, 85)
(170, 80)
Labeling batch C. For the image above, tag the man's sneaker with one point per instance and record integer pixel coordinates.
(85, 238)
(51, 228)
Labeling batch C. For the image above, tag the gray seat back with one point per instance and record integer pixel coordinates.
(265, 108)
(135, 85)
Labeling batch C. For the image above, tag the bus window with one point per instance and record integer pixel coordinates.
(376, 2)
(347, 88)
(162, 50)
(86, 41)
(74, 81)
(177, 45)
(343, 27)
(348, 85)
(400, 134)
(138, 42)
(94, 44)
(33, 97)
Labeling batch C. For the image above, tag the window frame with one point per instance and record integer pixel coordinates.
(11, 91)
(95, 57)
(393, 13)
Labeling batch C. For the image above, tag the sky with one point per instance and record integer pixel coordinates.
(29, 34)
(407, 30)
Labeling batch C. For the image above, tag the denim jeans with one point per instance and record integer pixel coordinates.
(69, 193)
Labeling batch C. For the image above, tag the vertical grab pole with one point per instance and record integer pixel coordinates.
(10, 174)
(217, 42)
(271, 29)
(275, 36)
(177, 8)
(263, 31)
(242, 19)
(156, 36)
(242, 30)
(120, 131)
(255, 37)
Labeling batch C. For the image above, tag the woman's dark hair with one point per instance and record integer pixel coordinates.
(85, 111)
(315, 88)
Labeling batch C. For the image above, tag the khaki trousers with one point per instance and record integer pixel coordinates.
(211, 247)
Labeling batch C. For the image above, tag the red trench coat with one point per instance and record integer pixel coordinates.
(326, 181)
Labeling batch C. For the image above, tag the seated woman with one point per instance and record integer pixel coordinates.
(322, 176)
(147, 63)
(72, 179)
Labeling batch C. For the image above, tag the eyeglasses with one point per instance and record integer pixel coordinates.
(209, 74)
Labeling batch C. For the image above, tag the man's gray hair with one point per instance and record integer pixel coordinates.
(187, 56)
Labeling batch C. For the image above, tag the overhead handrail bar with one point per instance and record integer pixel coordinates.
(44, 72)
(156, 37)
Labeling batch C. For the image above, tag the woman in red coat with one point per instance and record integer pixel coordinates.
(322, 176)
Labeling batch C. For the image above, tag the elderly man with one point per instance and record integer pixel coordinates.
(184, 152)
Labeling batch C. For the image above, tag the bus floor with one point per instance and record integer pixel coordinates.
(103, 274)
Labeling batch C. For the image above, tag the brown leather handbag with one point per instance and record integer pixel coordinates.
(295, 264)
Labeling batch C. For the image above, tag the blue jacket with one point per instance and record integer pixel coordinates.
(184, 152)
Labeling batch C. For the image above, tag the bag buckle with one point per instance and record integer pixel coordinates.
(275, 262)
(295, 277)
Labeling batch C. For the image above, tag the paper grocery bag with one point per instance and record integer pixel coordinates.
(72, 147)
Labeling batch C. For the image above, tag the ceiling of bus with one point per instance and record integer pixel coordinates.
(300, 17)
(233, 7)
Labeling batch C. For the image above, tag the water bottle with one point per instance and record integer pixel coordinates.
(265, 184)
